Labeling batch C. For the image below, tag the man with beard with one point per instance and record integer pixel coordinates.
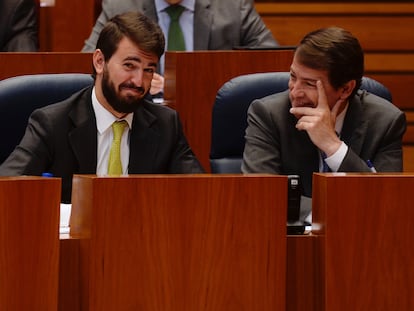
(75, 135)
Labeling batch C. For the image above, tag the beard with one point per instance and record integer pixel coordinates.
(121, 104)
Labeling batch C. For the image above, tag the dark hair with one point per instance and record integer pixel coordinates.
(335, 50)
(141, 30)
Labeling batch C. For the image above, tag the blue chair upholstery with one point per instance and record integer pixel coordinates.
(21, 95)
(229, 116)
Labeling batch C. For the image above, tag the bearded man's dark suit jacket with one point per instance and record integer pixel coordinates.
(373, 129)
(218, 24)
(62, 139)
(18, 26)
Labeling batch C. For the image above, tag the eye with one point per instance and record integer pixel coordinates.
(149, 70)
(129, 65)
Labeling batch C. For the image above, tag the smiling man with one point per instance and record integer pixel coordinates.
(76, 135)
(323, 121)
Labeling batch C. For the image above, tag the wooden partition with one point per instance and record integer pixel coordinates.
(182, 242)
(64, 26)
(192, 80)
(16, 64)
(364, 229)
(29, 243)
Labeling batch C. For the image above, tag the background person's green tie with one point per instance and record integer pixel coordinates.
(175, 33)
(114, 163)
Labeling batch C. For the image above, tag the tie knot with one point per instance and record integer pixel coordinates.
(174, 11)
(118, 128)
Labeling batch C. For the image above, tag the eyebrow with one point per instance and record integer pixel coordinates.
(133, 58)
(137, 59)
(305, 79)
(311, 80)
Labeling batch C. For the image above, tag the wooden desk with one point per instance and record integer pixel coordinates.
(29, 243)
(192, 80)
(364, 229)
(177, 242)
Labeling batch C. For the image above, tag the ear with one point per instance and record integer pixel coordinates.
(347, 89)
(98, 60)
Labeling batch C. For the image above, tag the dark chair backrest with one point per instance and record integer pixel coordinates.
(21, 95)
(229, 116)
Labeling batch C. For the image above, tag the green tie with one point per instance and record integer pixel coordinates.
(175, 34)
(114, 164)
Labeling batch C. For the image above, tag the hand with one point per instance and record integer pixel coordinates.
(319, 122)
(157, 84)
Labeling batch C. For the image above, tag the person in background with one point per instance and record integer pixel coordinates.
(75, 136)
(323, 122)
(18, 26)
(206, 25)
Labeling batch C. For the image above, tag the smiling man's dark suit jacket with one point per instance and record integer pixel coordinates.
(218, 24)
(373, 129)
(62, 139)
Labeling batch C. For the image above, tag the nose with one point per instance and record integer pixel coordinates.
(136, 77)
(296, 90)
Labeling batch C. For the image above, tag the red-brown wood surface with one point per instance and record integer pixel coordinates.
(364, 223)
(204, 242)
(29, 243)
(192, 80)
(16, 64)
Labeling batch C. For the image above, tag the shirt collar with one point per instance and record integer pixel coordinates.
(340, 119)
(104, 118)
(161, 5)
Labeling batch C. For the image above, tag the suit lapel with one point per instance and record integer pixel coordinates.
(83, 137)
(202, 24)
(148, 9)
(355, 126)
(305, 152)
(144, 142)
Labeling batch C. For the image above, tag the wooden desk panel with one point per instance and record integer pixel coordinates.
(364, 222)
(192, 80)
(194, 242)
(29, 243)
(302, 273)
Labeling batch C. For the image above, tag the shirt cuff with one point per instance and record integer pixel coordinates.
(335, 160)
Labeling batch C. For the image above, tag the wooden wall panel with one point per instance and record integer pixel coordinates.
(65, 26)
